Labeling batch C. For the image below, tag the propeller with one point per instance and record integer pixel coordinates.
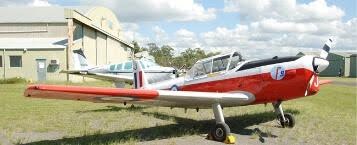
(178, 71)
(321, 63)
(326, 48)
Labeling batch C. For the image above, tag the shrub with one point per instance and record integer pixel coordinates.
(15, 80)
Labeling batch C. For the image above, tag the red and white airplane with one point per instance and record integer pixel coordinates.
(220, 81)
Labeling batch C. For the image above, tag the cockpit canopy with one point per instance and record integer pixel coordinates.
(145, 64)
(218, 63)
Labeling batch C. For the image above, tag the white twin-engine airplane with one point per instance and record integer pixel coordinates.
(216, 82)
(119, 73)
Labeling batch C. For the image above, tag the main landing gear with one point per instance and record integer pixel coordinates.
(221, 131)
(285, 120)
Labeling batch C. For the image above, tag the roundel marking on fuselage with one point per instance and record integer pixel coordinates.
(277, 72)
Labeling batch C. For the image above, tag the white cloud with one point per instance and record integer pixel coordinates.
(161, 36)
(272, 25)
(156, 10)
(36, 3)
(184, 38)
(286, 10)
(285, 26)
(130, 33)
(13, 3)
(40, 3)
(180, 40)
(270, 28)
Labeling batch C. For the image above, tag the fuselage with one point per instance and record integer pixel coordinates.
(155, 72)
(269, 80)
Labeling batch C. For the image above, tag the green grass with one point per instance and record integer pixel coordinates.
(327, 118)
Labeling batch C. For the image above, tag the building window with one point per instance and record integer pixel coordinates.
(15, 61)
(0, 61)
(110, 24)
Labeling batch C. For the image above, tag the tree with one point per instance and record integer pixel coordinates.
(137, 48)
(190, 56)
(163, 55)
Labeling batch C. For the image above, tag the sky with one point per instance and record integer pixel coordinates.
(256, 28)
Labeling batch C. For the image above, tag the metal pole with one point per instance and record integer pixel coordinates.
(218, 113)
(4, 64)
(69, 44)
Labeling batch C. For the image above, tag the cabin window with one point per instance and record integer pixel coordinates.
(199, 70)
(220, 63)
(119, 66)
(207, 66)
(236, 58)
(15, 61)
(112, 67)
(128, 65)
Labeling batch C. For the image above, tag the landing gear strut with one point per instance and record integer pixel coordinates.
(287, 119)
(221, 131)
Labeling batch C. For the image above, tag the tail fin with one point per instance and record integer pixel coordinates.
(80, 60)
(326, 49)
(140, 80)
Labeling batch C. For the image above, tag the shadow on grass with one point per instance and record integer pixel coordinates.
(183, 126)
(111, 108)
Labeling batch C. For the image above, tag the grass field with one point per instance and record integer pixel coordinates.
(327, 118)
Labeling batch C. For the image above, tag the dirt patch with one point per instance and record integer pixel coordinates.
(352, 84)
(4, 140)
(201, 139)
(26, 137)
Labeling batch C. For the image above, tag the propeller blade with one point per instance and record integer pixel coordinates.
(326, 49)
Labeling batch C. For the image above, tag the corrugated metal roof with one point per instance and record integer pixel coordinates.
(53, 14)
(32, 43)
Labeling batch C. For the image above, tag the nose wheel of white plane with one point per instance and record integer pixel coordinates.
(285, 120)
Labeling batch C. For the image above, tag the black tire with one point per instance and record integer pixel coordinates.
(220, 132)
(290, 120)
(174, 88)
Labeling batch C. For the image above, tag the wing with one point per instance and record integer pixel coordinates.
(167, 98)
(101, 76)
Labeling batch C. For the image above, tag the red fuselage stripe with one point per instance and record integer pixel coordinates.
(263, 86)
(140, 79)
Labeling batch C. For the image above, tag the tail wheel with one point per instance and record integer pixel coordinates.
(220, 132)
(289, 120)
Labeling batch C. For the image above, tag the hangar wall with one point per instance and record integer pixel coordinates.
(45, 31)
(32, 30)
(28, 67)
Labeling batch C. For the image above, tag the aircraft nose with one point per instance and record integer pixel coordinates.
(320, 64)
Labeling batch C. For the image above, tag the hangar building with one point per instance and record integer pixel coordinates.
(340, 62)
(37, 42)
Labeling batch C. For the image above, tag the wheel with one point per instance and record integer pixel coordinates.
(289, 122)
(220, 132)
(174, 88)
